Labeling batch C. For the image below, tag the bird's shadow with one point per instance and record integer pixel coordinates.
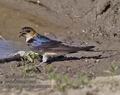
(64, 58)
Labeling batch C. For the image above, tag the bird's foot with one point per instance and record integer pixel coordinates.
(45, 59)
(40, 64)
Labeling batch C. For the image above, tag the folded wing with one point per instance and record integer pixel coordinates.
(56, 46)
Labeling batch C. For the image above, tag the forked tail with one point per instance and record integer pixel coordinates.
(83, 48)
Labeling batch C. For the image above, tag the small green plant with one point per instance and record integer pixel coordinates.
(30, 56)
(28, 63)
(64, 82)
(114, 69)
(28, 69)
(53, 76)
(83, 78)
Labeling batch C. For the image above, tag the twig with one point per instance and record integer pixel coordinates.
(19, 56)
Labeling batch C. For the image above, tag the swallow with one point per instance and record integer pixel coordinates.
(48, 47)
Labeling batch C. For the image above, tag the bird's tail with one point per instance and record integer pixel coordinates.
(83, 48)
(87, 48)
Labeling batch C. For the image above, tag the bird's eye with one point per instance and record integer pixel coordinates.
(27, 31)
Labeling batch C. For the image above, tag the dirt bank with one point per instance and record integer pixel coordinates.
(75, 22)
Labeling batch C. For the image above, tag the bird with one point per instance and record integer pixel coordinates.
(47, 46)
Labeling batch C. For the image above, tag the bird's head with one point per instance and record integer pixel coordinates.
(27, 33)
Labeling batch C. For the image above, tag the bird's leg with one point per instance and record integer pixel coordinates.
(45, 58)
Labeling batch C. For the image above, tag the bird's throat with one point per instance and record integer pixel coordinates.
(29, 37)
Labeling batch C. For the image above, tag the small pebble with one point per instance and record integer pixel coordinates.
(38, 1)
(97, 60)
(86, 60)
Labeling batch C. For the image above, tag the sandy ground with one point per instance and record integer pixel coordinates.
(75, 22)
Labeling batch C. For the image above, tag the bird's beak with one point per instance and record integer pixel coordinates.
(21, 34)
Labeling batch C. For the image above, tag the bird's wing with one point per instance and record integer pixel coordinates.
(42, 41)
(50, 44)
(56, 46)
